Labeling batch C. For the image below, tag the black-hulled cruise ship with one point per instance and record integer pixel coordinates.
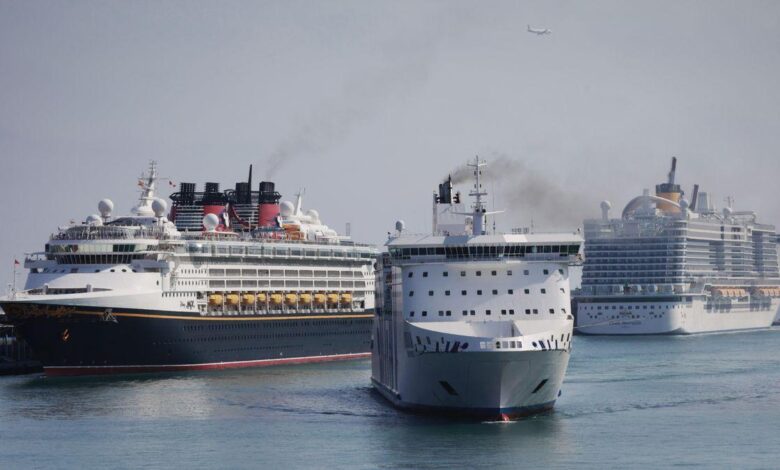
(226, 279)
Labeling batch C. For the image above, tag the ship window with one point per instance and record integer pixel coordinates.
(479, 273)
(563, 310)
(527, 291)
(511, 311)
(503, 311)
(560, 271)
(546, 272)
(463, 292)
(487, 312)
(410, 274)
(446, 292)
(547, 249)
(509, 273)
(424, 313)
(441, 313)
(552, 310)
(449, 313)
(525, 272)
(563, 290)
(479, 291)
(411, 314)
(536, 311)
(510, 291)
(462, 273)
(445, 274)
(528, 311)
(544, 291)
(465, 312)
(472, 312)
(113, 270)
(411, 293)
(492, 273)
(430, 293)
(425, 273)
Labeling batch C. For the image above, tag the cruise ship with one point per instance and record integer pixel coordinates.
(225, 279)
(669, 266)
(472, 323)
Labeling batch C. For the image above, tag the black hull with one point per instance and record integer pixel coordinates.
(78, 341)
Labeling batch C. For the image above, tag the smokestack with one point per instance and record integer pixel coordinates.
(693, 198)
(674, 169)
(268, 204)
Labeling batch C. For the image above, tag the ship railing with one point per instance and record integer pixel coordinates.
(99, 233)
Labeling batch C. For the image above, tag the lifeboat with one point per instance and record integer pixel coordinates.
(320, 299)
(215, 300)
(333, 298)
(232, 299)
(290, 299)
(346, 298)
(277, 299)
(261, 297)
(306, 298)
(248, 299)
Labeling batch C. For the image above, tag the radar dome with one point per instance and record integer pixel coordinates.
(159, 206)
(727, 211)
(286, 208)
(94, 220)
(400, 225)
(105, 207)
(606, 205)
(211, 222)
(313, 214)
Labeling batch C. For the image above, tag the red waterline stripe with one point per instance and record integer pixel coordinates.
(70, 371)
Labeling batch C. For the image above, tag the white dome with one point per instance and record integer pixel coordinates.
(684, 204)
(95, 220)
(606, 205)
(159, 206)
(313, 214)
(727, 211)
(211, 222)
(105, 207)
(286, 208)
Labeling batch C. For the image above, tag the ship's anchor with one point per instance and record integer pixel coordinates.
(109, 316)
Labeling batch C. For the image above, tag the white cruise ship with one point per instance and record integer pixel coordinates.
(667, 266)
(471, 323)
(227, 279)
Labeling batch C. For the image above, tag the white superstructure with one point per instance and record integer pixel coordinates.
(670, 267)
(472, 322)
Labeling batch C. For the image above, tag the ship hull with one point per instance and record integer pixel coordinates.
(73, 340)
(498, 385)
(672, 318)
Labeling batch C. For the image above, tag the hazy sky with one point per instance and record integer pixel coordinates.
(369, 104)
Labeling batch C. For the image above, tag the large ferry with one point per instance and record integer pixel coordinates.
(470, 322)
(226, 279)
(667, 266)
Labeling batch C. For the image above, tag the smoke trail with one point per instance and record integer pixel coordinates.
(527, 195)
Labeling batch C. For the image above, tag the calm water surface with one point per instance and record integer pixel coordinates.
(709, 400)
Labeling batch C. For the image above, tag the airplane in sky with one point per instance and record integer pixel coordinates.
(539, 32)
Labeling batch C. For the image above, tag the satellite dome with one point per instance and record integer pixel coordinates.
(313, 214)
(211, 222)
(105, 207)
(159, 206)
(606, 205)
(286, 208)
(94, 220)
(400, 225)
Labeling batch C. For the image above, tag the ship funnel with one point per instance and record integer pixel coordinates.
(670, 191)
(693, 197)
(268, 204)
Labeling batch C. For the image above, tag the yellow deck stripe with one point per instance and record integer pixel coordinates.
(178, 317)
